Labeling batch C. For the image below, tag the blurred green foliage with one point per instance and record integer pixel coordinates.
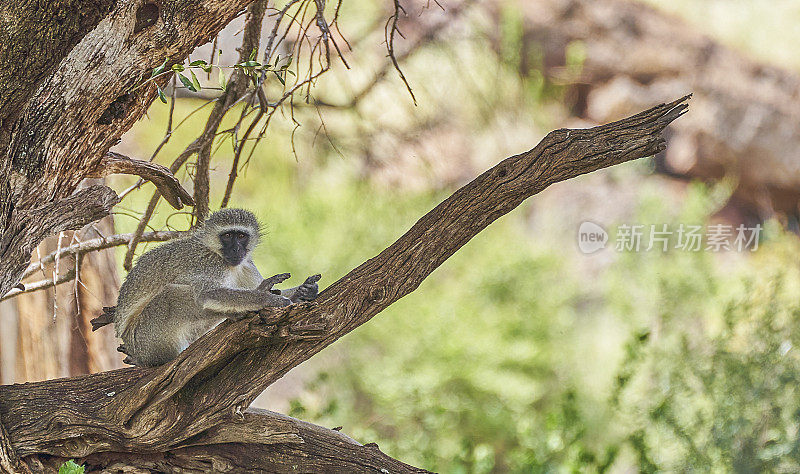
(486, 367)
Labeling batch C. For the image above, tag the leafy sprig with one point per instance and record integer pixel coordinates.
(251, 68)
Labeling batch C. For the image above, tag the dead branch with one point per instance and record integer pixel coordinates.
(167, 184)
(42, 284)
(212, 383)
(100, 243)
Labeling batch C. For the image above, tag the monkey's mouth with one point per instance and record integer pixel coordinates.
(233, 260)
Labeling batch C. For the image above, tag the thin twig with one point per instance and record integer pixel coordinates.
(389, 34)
(41, 285)
(100, 243)
(55, 274)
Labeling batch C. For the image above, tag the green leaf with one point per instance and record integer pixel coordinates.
(70, 467)
(207, 68)
(159, 69)
(178, 67)
(187, 82)
(161, 95)
(223, 82)
(195, 82)
(248, 64)
(253, 54)
(198, 62)
(283, 81)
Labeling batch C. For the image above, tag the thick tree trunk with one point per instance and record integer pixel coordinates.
(201, 398)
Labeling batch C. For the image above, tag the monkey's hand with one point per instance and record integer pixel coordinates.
(273, 297)
(308, 291)
(268, 283)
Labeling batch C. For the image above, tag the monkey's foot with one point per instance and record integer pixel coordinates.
(308, 291)
(129, 359)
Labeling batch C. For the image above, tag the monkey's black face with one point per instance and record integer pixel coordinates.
(234, 246)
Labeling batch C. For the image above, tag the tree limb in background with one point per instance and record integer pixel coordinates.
(641, 55)
(210, 385)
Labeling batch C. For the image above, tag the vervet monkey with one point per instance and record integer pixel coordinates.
(180, 290)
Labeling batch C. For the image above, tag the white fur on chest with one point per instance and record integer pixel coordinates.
(240, 276)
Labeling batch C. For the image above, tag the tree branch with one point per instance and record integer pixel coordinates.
(100, 243)
(217, 377)
(236, 89)
(42, 284)
(166, 182)
(260, 440)
(82, 248)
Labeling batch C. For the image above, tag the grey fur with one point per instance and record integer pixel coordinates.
(180, 290)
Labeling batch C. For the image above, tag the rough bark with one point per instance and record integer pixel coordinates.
(213, 382)
(637, 55)
(36, 36)
(57, 140)
(9, 460)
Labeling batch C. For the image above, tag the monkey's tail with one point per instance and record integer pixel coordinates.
(104, 319)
